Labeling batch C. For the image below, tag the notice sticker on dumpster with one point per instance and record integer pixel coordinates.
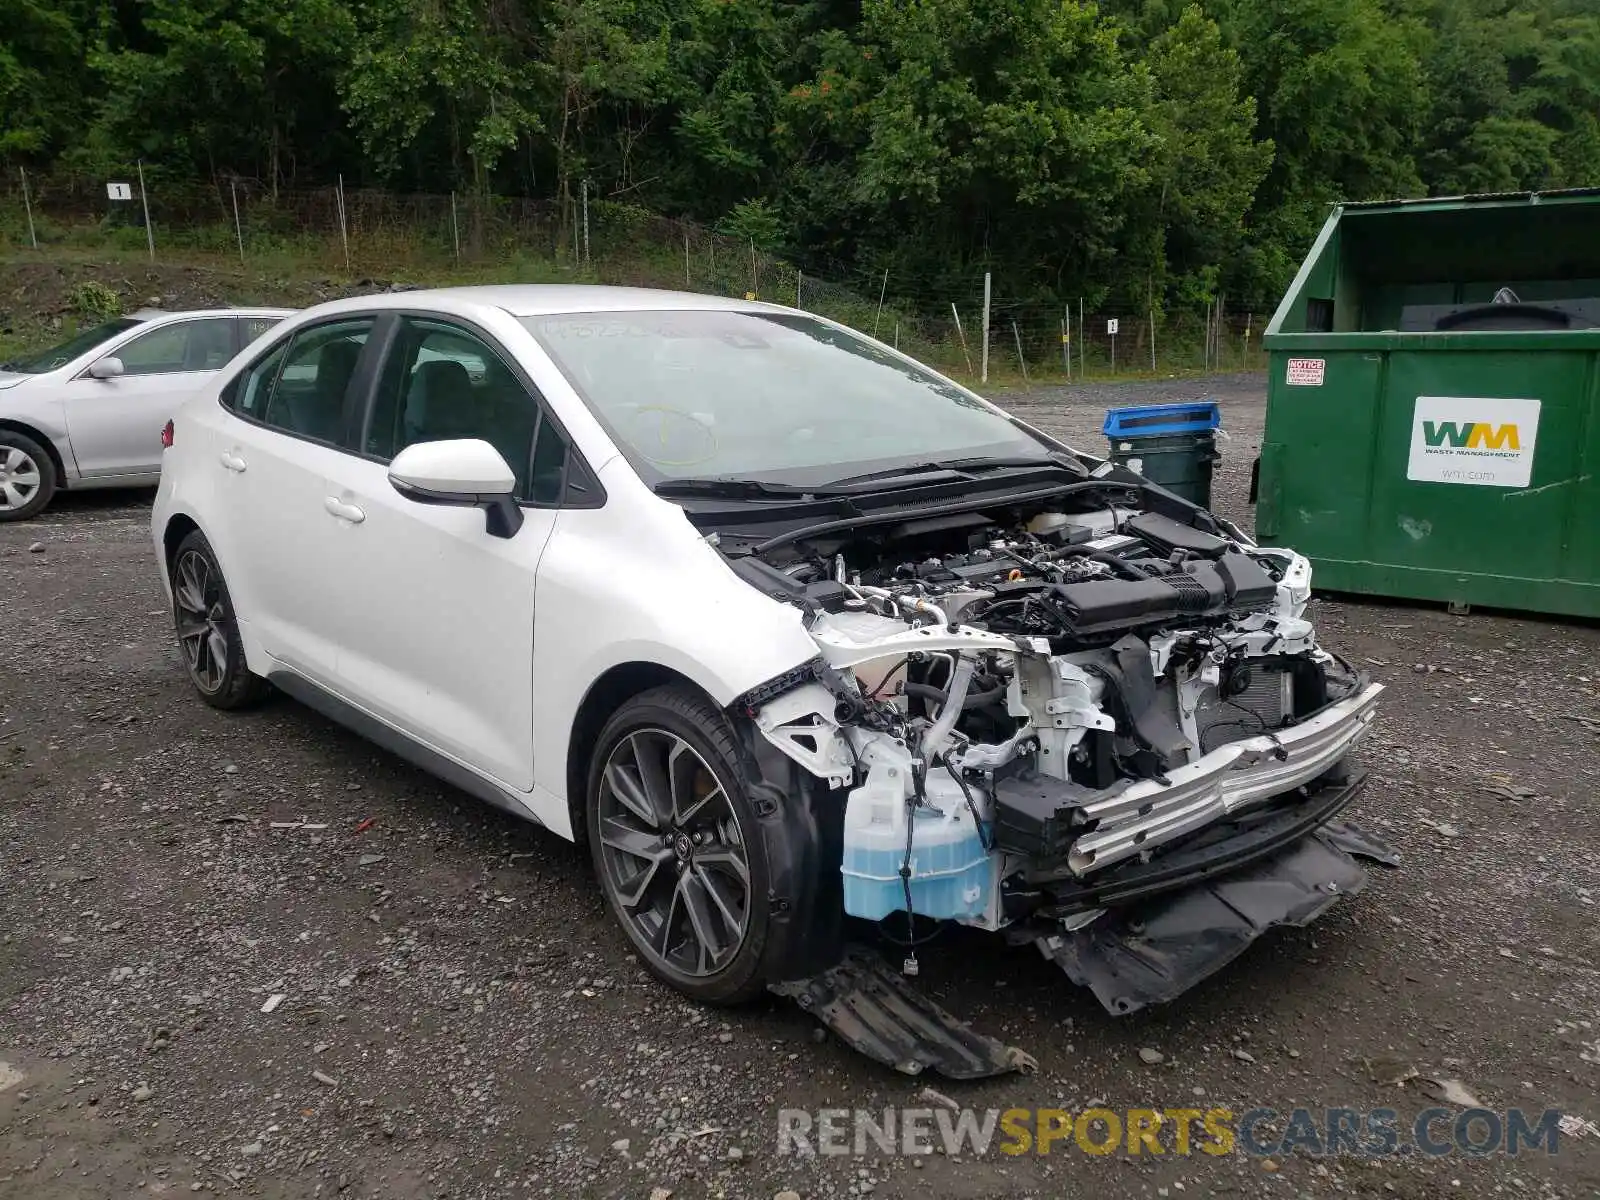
(1479, 440)
(1306, 372)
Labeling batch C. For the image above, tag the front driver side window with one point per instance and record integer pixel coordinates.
(443, 382)
(300, 387)
(204, 345)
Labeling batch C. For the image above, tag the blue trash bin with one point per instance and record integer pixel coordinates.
(1173, 445)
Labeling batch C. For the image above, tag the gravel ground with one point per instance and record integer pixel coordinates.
(460, 1018)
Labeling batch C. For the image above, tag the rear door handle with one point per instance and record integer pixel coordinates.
(345, 512)
(232, 461)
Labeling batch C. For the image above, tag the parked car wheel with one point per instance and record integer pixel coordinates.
(676, 845)
(208, 633)
(27, 477)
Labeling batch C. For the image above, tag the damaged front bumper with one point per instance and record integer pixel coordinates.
(1153, 952)
(1192, 925)
(1151, 812)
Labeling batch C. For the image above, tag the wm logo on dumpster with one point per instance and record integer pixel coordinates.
(1483, 440)
(1471, 435)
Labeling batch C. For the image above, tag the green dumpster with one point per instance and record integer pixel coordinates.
(1433, 404)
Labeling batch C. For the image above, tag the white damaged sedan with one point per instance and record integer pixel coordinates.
(811, 646)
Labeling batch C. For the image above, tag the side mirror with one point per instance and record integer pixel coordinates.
(467, 472)
(106, 368)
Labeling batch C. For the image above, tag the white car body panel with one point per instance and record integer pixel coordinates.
(466, 695)
(680, 607)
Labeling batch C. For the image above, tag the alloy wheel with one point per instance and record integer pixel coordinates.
(201, 620)
(20, 478)
(673, 857)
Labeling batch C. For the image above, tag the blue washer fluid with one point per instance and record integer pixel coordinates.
(952, 876)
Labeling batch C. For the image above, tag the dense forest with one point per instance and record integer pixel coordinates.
(1165, 148)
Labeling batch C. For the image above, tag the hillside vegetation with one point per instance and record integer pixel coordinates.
(1148, 153)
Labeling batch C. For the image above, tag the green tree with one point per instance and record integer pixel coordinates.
(1564, 95)
(202, 86)
(1340, 93)
(949, 133)
(1207, 163)
(447, 76)
(44, 73)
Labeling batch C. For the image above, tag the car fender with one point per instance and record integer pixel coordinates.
(40, 415)
(633, 583)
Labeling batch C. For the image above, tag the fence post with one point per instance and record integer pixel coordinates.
(1083, 342)
(344, 230)
(455, 225)
(961, 336)
(1153, 366)
(1021, 359)
(238, 226)
(587, 261)
(144, 201)
(882, 291)
(1066, 344)
(897, 335)
(983, 351)
(799, 278)
(688, 279)
(1222, 328)
(27, 205)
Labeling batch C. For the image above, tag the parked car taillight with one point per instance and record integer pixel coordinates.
(166, 435)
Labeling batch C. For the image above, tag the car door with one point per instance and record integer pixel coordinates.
(433, 615)
(284, 432)
(114, 424)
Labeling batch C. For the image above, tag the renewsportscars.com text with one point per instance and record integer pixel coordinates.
(1261, 1132)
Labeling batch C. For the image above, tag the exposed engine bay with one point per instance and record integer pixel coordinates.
(1037, 716)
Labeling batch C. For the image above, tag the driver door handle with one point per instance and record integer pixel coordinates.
(345, 512)
(232, 461)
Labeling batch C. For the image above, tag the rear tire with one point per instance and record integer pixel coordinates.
(207, 629)
(27, 476)
(677, 847)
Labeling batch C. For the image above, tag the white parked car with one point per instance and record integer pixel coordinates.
(785, 626)
(87, 413)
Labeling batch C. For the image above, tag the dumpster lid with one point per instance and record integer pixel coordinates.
(1159, 420)
(1489, 199)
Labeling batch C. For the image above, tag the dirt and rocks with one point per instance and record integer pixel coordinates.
(252, 955)
(38, 299)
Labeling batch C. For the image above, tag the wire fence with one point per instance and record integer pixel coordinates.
(972, 324)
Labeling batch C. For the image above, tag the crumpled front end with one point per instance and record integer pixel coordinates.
(1035, 728)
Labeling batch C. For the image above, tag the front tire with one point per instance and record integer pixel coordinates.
(676, 845)
(207, 629)
(27, 477)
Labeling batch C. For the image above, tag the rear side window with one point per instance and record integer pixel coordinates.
(301, 386)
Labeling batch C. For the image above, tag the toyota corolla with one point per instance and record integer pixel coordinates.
(816, 650)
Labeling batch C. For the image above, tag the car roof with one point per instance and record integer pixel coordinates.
(166, 314)
(543, 299)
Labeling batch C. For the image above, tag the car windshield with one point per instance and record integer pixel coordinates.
(772, 397)
(61, 355)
